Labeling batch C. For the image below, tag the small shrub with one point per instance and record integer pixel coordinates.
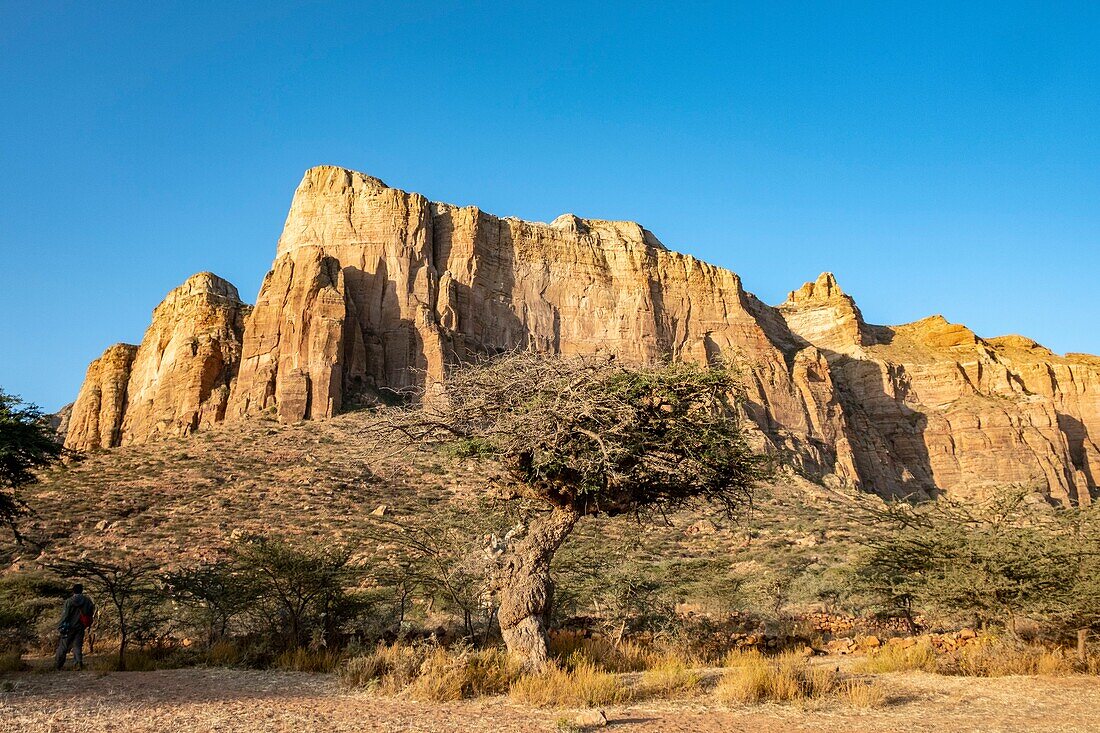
(863, 694)
(388, 669)
(431, 674)
(754, 678)
(893, 658)
(446, 676)
(137, 660)
(582, 686)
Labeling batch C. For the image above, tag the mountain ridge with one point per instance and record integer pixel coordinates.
(374, 288)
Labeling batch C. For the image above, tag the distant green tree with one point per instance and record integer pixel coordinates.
(991, 562)
(300, 592)
(215, 593)
(27, 442)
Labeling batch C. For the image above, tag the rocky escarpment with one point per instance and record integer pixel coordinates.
(176, 381)
(933, 406)
(375, 289)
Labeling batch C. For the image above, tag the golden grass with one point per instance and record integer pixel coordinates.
(862, 694)
(670, 675)
(991, 657)
(308, 660)
(137, 660)
(626, 656)
(754, 678)
(431, 674)
(223, 654)
(388, 669)
(584, 685)
(892, 658)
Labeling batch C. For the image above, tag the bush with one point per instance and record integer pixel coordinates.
(445, 676)
(223, 654)
(582, 686)
(894, 658)
(388, 669)
(754, 678)
(627, 656)
(135, 661)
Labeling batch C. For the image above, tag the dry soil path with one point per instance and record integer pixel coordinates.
(234, 701)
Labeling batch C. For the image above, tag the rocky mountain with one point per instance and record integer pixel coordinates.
(374, 289)
(176, 381)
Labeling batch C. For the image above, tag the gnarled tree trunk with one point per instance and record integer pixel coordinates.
(527, 590)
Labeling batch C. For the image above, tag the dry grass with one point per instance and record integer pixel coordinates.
(137, 660)
(626, 656)
(308, 660)
(388, 669)
(11, 661)
(584, 685)
(862, 694)
(223, 654)
(431, 674)
(754, 678)
(893, 658)
(669, 675)
(991, 657)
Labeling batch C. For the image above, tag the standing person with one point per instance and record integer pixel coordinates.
(76, 615)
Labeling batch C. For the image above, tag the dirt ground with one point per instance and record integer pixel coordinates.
(189, 700)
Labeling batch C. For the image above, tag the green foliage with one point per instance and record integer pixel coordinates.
(595, 436)
(25, 598)
(26, 443)
(300, 593)
(989, 562)
(212, 595)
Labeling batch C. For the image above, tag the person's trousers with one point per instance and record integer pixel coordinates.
(73, 640)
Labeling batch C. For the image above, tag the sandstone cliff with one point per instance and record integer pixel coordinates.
(177, 380)
(374, 289)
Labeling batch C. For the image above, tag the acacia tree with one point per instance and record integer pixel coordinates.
(993, 560)
(26, 443)
(303, 588)
(217, 592)
(584, 437)
(130, 585)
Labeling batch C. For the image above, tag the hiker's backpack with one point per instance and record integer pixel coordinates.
(86, 617)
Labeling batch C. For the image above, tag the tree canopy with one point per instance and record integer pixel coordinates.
(592, 435)
(26, 443)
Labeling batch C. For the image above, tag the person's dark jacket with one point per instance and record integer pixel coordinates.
(75, 605)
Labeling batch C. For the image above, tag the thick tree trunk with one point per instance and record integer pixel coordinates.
(527, 590)
(1082, 650)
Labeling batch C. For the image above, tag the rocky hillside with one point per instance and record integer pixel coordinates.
(374, 288)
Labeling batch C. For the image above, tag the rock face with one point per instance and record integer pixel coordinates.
(374, 289)
(932, 406)
(175, 382)
(96, 417)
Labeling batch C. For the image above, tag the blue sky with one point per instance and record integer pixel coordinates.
(938, 157)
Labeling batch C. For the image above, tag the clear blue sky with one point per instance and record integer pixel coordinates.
(938, 157)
